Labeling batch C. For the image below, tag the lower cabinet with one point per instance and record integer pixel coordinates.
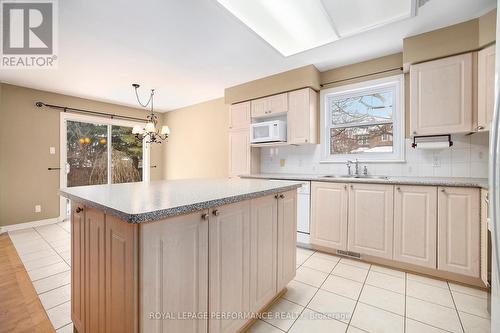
(329, 214)
(287, 238)
(370, 222)
(458, 230)
(415, 225)
(78, 267)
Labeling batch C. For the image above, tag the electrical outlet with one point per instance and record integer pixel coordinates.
(52, 150)
(282, 162)
(436, 161)
(38, 208)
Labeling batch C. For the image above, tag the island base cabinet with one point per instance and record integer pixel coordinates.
(458, 230)
(287, 238)
(174, 275)
(78, 267)
(415, 223)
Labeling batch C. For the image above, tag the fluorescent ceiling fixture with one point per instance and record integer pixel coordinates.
(290, 26)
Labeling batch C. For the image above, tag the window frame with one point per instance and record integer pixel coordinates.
(395, 82)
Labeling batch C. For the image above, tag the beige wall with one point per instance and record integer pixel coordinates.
(26, 133)
(198, 144)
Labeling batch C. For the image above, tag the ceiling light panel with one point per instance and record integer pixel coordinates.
(290, 26)
(355, 16)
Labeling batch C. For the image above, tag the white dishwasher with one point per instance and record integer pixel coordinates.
(303, 212)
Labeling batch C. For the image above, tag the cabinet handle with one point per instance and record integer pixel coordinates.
(78, 210)
(216, 212)
(480, 128)
(352, 186)
(282, 196)
(276, 196)
(345, 187)
(204, 216)
(398, 188)
(443, 190)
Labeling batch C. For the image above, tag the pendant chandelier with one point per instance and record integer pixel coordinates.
(150, 132)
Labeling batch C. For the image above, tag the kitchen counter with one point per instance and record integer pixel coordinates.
(399, 180)
(143, 202)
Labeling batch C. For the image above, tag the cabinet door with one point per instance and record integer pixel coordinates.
(94, 270)
(370, 221)
(263, 247)
(484, 237)
(329, 215)
(174, 272)
(229, 264)
(121, 276)
(441, 96)
(277, 103)
(287, 238)
(260, 107)
(415, 223)
(78, 266)
(485, 87)
(239, 152)
(302, 116)
(458, 230)
(239, 116)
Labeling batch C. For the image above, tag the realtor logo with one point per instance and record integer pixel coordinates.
(28, 34)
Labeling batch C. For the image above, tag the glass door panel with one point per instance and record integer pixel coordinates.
(126, 156)
(87, 153)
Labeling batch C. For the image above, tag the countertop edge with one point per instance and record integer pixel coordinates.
(175, 211)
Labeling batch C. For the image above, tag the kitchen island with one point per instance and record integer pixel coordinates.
(179, 256)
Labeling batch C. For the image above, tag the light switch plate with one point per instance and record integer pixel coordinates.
(52, 150)
(282, 162)
(38, 208)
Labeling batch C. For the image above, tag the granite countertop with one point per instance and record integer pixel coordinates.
(435, 181)
(150, 201)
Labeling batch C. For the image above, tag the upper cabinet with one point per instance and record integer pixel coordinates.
(441, 96)
(269, 106)
(485, 87)
(239, 116)
(302, 116)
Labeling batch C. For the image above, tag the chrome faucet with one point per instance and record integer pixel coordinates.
(365, 171)
(356, 165)
(348, 164)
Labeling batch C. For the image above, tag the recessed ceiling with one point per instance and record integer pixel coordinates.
(190, 50)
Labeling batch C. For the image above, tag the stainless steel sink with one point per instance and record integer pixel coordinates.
(356, 176)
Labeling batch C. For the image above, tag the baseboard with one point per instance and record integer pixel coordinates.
(32, 224)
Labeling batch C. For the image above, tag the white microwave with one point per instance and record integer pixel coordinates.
(268, 131)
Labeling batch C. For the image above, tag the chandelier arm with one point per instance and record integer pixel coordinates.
(139, 100)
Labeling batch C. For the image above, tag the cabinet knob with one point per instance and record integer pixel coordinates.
(216, 212)
(480, 128)
(276, 196)
(204, 216)
(345, 187)
(398, 188)
(352, 186)
(443, 190)
(282, 196)
(414, 132)
(78, 210)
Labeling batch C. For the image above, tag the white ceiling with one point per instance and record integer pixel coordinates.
(190, 50)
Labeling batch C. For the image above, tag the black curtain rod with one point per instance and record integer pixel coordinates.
(364, 75)
(96, 113)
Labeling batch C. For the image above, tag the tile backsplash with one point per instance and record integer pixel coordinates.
(468, 157)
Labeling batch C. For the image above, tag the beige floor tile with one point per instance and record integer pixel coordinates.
(52, 282)
(299, 292)
(283, 314)
(66, 225)
(352, 329)
(471, 304)
(25, 236)
(433, 314)
(332, 305)
(386, 281)
(262, 327)
(326, 256)
(474, 324)
(307, 252)
(384, 299)
(301, 258)
(468, 290)
(350, 272)
(319, 264)
(46, 271)
(388, 271)
(66, 329)
(34, 246)
(427, 280)
(342, 286)
(60, 315)
(377, 320)
(355, 262)
(310, 276)
(62, 248)
(61, 242)
(55, 297)
(66, 255)
(413, 326)
(429, 293)
(311, 321)
(37, 255)
(37, 263)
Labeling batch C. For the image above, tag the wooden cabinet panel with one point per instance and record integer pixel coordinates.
(415, 223)
(484, 237)
(78, 266)
(94, 270)
(174, 272)
(441, 96)
(263, 247)
(268, 106)
(302, 116)
(329, 215)
(121, 275)
(229, 264)
(370, 225)
(239, 152)
(239, 116)
(259, 107)
(287, 238)
(485, 87)
(458, 230)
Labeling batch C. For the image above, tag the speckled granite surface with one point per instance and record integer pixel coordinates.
(144, 202)
(435, 181)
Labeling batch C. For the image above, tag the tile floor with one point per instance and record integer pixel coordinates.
(328, 294)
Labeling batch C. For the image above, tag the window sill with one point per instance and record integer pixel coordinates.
(344, 161)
